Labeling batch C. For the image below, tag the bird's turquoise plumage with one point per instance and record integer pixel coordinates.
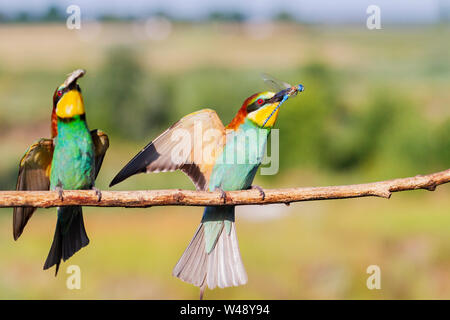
(235, 169)
(72, 168)
(73, 158)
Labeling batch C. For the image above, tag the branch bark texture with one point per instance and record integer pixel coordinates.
(177, 197)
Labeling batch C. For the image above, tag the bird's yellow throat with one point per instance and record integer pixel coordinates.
(261, 115)
(70, 105)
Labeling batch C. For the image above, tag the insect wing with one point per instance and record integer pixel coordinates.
(274, 83)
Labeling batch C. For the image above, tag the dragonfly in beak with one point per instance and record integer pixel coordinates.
(285, 90)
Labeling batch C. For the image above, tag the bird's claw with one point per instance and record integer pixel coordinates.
(223, 194)
(60, 192)
(261, 191)
(98, 193)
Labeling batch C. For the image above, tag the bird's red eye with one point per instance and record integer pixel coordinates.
(59, 93)
(260, 101)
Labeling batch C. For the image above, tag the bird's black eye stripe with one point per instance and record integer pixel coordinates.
(58, 96)
(255, 105)
(64, 90)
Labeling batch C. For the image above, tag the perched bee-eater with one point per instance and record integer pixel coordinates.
(70, 160)
(212, 258)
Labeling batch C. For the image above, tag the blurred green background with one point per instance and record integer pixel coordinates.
(376, 107)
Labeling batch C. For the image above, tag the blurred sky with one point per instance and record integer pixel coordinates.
(320, 11)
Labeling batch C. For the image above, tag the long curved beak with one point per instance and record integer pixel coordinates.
(279, 95)
(74, 76)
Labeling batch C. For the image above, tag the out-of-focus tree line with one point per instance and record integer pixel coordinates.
(320, 128)
(384, 133)
(57, 14)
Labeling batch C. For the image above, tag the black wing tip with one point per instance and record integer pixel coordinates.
(46, 267)
(125, 173)
(16, 235)
(16, 231)
(18, 222)
(136, 165)
(115, 181)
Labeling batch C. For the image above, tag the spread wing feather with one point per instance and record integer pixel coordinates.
(190, 145)
(34, 174)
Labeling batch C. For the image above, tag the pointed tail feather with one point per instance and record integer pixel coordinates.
(70, 236)
(222, 267)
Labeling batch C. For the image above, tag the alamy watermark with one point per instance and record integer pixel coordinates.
(243, 147)
(74, 280)
(374, 19)
(374, 280)
(74, 19)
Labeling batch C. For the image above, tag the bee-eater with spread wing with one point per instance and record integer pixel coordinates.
(212, 258)
(70, 160)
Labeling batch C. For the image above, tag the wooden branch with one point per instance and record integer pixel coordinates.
(177, 197)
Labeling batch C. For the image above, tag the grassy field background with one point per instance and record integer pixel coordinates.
(376, 106)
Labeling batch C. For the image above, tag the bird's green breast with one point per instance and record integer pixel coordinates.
(236, 167)
(73, 157)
